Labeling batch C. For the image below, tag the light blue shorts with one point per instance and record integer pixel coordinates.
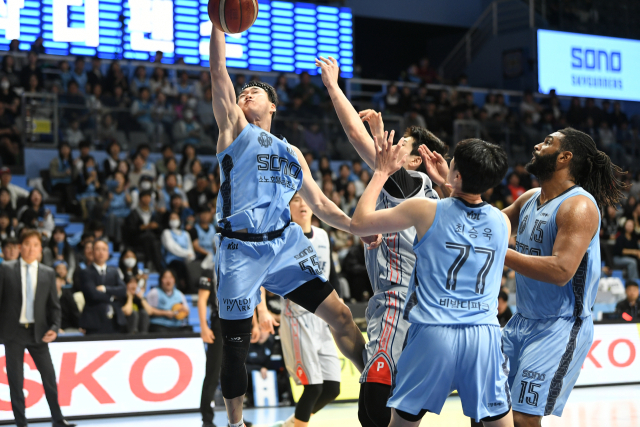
(439, 359)
(546, 357)
(280, 265)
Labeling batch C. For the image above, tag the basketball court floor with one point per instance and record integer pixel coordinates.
(617, 406)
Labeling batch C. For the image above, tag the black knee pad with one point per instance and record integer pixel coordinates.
(495, 418)
(374, 400)
(236, 337)
(304, 407)
(410, 417)
(310, 295)
(330, 390)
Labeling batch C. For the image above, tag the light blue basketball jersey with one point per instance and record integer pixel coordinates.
(459, 266)
(259, 175)
(537, 232)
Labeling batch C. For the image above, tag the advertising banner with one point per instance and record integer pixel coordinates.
(114, 377)
(588, 66)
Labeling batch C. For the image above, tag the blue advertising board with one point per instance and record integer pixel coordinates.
(588, 66)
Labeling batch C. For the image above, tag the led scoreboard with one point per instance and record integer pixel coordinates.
(286, 36)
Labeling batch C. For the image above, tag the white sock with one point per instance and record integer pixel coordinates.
(238, 424)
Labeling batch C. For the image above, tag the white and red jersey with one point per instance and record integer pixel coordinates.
(391, 264)
(390, 267)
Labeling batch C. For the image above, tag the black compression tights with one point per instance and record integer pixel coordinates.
(315, 397)
(372, 405)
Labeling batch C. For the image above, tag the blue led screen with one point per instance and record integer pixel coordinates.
(286, 37)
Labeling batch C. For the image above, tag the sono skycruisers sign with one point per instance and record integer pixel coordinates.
(588, 66)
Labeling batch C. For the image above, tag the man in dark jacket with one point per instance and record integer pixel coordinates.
(629, 308)
(142, 228)
(104, 293)
(29, 319)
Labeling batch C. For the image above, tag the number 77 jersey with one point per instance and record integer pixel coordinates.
(459, 266)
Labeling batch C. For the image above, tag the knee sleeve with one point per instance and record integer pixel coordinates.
(374, 400)
(310, 295)
(236, 337)
(330, 390)
(495, 418)
(307, 401)
(410, 417)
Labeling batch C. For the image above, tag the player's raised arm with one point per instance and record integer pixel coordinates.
(349, 118)
(320, 205)
(228, 115)
(413, 212)
(577, 221)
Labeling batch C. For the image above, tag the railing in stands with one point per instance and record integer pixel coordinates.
(502, 16)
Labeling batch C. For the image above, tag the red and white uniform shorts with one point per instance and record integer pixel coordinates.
(386, 330)
(309, 352)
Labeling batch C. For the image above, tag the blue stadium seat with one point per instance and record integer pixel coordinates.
(617, 273)
(74, 232)
(74, 228)
(20, 181)
(153, 281)
(62, 219)
(114, 259)
(52, 208)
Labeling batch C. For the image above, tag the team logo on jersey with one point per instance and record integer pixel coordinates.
(265, 140)
(523, 224)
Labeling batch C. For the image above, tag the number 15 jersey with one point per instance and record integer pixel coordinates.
(459, 265)
(537, 232)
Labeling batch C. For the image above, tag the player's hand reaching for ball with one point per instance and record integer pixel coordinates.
(388, 159)
(330, 70)
(376, 124)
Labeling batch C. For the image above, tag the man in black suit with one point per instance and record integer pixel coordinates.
(29, 319)
(104, 293)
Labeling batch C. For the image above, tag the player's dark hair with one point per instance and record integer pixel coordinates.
(271, 92)
(422, 136)
(481, 164)
(503, 296)
(592, 169)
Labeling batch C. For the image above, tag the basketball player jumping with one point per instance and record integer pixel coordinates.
(257, 245)
(454, 338)
(309, 352)
(557, 264)
(390, 266)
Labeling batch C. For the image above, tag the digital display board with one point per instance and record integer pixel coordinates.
(588, 66)
(286, 37)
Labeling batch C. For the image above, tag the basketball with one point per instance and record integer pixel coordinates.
(179, 311)
(233, 16)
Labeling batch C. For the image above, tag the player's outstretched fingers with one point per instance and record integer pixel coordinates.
(333, 60)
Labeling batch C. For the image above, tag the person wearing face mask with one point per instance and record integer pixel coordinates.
(187, 130)
(138, 171)
(89, 187)
(128, 266)
(177, 249)
(59, 249)
(145, 184)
